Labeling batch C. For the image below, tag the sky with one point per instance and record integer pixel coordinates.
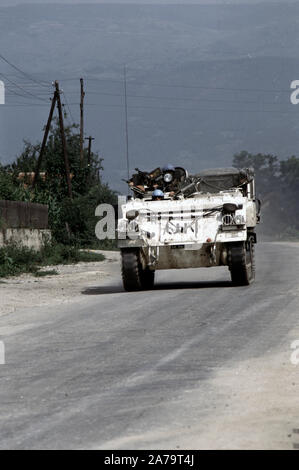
(200, 2)
(203, 84)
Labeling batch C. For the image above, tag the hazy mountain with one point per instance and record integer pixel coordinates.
(203, 81)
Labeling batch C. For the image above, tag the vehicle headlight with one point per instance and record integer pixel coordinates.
(133, 226)
(132, 214)
(239, 220)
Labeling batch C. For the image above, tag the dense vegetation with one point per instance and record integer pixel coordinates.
(72, 221)
(15, 259)
(277, 183)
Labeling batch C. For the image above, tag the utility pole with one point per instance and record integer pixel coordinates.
(90, 139)
(82, 95)
(63, 139)
(46, 133)
(126, 121)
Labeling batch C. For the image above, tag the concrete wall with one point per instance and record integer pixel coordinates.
(24, 223)
(17, 214)
(31, 238)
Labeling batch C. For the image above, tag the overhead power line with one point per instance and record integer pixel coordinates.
(176, 85)
(173, 108)
(68, 107)
(175, 98)
(22, 72)
(261, 90)
(191, 87)
(21, 88)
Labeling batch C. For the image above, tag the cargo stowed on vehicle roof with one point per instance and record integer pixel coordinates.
(202, 220)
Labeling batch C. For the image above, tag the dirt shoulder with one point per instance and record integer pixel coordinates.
(28, 291)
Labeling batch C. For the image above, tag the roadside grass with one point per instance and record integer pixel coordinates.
(50, 272)
(16, 260)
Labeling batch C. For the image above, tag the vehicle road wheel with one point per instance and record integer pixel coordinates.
(242, 263)
(134, 276)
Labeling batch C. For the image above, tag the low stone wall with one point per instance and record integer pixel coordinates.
(24, 223)
(17, 214)
(29, 237)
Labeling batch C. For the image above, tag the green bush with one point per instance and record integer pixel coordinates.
(15, 260)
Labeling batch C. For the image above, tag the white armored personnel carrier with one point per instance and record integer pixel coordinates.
(175, 221)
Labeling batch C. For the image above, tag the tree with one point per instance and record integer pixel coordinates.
(83, 176)
(71, 221)
(266, 167)
(277, 183)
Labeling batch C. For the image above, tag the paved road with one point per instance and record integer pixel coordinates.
(195, 363)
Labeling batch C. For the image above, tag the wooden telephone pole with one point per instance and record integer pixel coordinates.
(63, 139)
(44, 143)
(126, 121)
(55, 100)
(82, 95)
(90, 139)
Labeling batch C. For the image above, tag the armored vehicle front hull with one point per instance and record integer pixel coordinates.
(205, 229)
